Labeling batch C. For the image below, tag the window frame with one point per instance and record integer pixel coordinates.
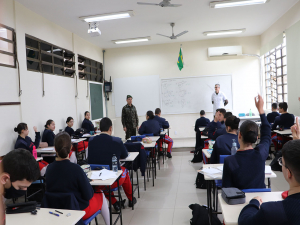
(13, 41)
(98, 67)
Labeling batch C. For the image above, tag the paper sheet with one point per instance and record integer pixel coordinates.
(103, 175)
(47, 149)
(86, 135)
(210, 170)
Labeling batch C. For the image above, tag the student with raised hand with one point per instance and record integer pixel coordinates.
(281, 212)
(48, 135)
(66, 177)
(25, 142)
(224, 142)
(69, 129)
(285, 119)
(101, 150)
(163, 123)
(246, 169)
(217, 123)
(272, 115)
(86, 123)
(18, 170)
(150, 126)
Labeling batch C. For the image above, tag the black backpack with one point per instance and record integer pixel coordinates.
(274, 164)
(200, 216)
(197, 156)
(200, 182)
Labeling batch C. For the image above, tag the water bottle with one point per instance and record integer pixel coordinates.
(114, 163)
(234, 147)
(250, 113)
(34, 152)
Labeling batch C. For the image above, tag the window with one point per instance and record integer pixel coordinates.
(48, 58)
(7, 47)
(276, 75)
(90, 69)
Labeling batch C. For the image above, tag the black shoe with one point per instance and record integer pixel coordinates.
(133, 202)
(160, 153)
(169, 155)
(116, 206)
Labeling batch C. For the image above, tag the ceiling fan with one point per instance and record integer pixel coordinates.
(164, 3)
(174, 36)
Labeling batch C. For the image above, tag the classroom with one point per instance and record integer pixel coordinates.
(165, 112)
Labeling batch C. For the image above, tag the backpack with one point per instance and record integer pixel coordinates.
(200, 182)
(200, 216)
(274, 164)
(197, 156)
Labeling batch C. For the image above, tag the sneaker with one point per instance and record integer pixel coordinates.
(169, 155)
(133, 202)
(160, 153)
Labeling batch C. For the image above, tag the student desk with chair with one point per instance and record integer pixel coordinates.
(212, 204)
(231, 212)
(132, 156)
(109, 183)
(44, 217)
(286, 133)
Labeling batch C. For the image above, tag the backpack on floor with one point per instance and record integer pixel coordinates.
(197, 156)
(274, 164)
(200, 182)
(200, 216)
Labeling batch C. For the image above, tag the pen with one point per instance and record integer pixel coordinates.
(53, 213)
(100, 174)
(58, 211)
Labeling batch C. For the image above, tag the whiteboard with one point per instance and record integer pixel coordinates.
(192, 94)
(144, 90)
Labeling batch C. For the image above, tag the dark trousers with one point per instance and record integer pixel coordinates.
(199, 141)
(131, 131)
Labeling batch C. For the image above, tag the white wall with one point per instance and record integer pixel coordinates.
(162, 59)
(59, 101)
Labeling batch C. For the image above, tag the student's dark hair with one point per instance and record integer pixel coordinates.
(69, 119)
(291, 155)
(202, 112)
(105, 124)
(227, 114)
(274, 106)
(223, 111)
(157, 111)
(249, 132)
(48, 123)
(150, 114)
(283, 105)
(62, 144)
(86, 112)
(20, 127)
(232, 122)
(20, 164)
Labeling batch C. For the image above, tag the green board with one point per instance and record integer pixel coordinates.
(96, 95)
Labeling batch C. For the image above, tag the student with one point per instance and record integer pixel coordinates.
(271, 116)
(285, 119)
(150, 126)
(224, 142)
(17, 178)
(86, 123)
(48, 135)
(101, 150)
(217, 123)
(222, 130)
(66, 177)
(202, 121)
(69, 129)
(280, 212)
(246, 169)
(25, 142)
(163, 124)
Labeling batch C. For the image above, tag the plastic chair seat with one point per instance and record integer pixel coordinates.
(87, 221)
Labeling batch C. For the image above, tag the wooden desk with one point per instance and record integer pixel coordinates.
(131, 157)
(231, 212)
(45, 218)
(108, 182)
(284, 132)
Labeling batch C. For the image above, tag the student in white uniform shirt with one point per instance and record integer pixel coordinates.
(218, 98)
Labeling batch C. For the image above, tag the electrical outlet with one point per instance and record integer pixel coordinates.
(175, 132)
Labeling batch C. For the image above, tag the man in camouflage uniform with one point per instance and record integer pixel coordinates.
(130, 119)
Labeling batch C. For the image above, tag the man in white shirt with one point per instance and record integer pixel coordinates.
(218, 98)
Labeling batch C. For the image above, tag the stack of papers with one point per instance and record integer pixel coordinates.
(103, 174)
(47, 149)
(86, 135)
(212, 172)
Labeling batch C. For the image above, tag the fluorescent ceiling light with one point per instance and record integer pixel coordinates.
(223, 32)
(131, 40)
(234, 3)
(110, 16)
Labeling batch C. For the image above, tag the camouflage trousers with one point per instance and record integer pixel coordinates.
(130, 132)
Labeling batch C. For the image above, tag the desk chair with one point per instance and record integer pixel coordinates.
(37, 187)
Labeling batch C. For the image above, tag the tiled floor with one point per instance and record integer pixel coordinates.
(167, 202)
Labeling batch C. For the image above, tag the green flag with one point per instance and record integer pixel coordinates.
(180, 60)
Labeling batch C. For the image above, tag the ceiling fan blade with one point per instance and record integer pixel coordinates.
(174, 5)
(163, 35)
(182, 33)
(144, 3)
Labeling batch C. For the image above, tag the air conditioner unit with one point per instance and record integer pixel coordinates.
(225, 51)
